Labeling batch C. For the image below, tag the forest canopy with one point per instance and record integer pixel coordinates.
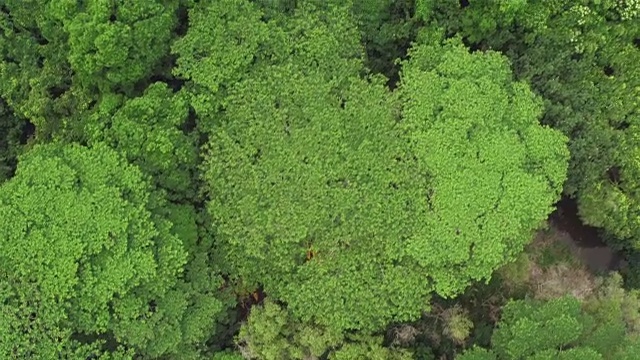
(281, 179)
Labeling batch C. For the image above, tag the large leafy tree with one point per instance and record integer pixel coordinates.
(323, 182)
(491, 172)
(582, 58)
(289, 194)
(88, 262)
(306, 235)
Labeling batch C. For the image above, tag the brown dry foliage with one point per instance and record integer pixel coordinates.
(561, 279)
(404, 335)
(564, 277)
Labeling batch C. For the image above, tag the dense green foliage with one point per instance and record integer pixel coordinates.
(605, 327)
(306, 179)
(318, 172)
(583, 58)
(83, 253)
(147, 130)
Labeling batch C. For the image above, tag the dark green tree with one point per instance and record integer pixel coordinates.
(58, 57)
(219, 46)
(150, 131)
(114, 44)
(12, 131)
(34, 74)
(387, 28)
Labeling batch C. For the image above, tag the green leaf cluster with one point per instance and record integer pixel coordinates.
(582, 58)
(88, 260)
(324, 182)
(150, 132)
(603, 327)
(271, 333)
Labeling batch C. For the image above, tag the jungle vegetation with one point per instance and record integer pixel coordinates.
(317, 179)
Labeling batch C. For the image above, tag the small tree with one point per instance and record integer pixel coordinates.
(602, 327)
(148, 131)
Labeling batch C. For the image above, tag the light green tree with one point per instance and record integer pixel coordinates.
(491, 172)
(89, 261)
(323, 182)
(271, 333)
(582, 58)
(368, 347)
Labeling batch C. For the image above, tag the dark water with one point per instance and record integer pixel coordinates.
(583, 239)
(566, 219)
